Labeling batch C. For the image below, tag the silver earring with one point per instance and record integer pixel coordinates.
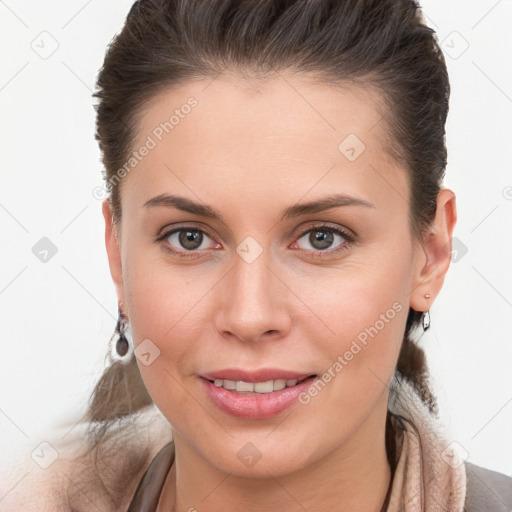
(426, 320)
(124, 344)
(426, 315)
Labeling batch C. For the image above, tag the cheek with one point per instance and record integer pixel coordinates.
(359, 320)
(164, 300)
(167, 307)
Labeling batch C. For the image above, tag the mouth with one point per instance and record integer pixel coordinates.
(255, 398)
(257, 388)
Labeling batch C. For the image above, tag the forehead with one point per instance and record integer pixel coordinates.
(247, 134)
(284, 107)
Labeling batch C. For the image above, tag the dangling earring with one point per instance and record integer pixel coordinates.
(124, 344)
(426, 320)
(426, 316)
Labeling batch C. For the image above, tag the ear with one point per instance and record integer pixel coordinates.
(113, 249)
(437, 250)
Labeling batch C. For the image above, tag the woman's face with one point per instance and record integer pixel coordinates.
(257, 283)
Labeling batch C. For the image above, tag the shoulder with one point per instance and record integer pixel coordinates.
(487, 490)
(31, 488)
(79, 480)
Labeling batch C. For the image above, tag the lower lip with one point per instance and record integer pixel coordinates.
(257, 406)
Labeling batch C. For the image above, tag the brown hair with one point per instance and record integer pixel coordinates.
(379, 43)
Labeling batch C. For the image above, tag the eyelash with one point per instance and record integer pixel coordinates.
(348, 240)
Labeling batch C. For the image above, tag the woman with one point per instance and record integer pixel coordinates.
(277, 231)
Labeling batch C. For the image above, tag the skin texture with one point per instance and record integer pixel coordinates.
(251, 149)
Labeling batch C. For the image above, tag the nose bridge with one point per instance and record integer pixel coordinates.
(253, 300)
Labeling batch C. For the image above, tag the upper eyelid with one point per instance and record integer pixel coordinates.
(329, 226)
(349, 239)
(166, 232)
(347, 234)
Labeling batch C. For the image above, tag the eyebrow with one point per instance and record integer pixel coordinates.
(324, 203)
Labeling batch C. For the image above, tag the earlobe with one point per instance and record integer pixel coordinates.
(437, 249)
(113, 249)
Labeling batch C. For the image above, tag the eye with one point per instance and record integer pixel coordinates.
(324, 239)
(186, 239)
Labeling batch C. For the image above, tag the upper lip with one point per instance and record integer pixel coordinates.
(259, 375)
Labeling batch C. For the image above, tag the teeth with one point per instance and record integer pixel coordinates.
(255, 387)
(279, 384)
(229, 384)
(264, 387)
(244, 386)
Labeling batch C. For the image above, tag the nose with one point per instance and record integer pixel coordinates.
(253, 302)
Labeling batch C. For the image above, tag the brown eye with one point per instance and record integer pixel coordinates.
(322, 238)
(190, 239)
(325, 241)
(187, 239)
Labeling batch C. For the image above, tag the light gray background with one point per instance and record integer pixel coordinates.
(58, 315)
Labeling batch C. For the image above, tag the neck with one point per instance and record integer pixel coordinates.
(355, 477)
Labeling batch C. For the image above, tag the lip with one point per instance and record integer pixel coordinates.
(260, 375)
(255, 406)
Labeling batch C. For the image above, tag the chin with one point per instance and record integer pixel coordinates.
(257, 456)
